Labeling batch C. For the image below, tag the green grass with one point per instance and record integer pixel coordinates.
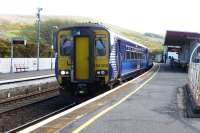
(154, 43)
(11, 26)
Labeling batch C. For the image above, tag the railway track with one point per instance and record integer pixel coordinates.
(40, 119)
(24, 110)
(19, 118)
(32, 113)
(24, 100)
(28, 96)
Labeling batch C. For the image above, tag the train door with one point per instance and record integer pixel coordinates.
(119, 57)
(81, 58)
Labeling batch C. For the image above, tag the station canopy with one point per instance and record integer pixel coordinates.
(175, 39)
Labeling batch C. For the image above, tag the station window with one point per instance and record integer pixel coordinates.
(100, 47)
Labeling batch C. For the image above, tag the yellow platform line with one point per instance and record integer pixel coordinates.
(90, 121)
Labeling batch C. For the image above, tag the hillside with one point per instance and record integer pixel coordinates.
(151, 40)
(17, 25)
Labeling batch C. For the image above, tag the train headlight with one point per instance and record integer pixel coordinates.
(62, 72)
(65, 72)
(101, 72)
(98, 72)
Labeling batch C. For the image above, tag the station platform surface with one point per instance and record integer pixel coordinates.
(19, 75)
(152, 109)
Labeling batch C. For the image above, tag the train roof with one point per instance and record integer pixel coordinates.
(96, 25)
(127, 39)
(92, 25)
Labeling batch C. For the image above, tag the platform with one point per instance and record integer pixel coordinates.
(150, 108)
(20, 75)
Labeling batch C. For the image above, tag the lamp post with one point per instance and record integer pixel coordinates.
(11, 58)
(38, 37)
(52, 42)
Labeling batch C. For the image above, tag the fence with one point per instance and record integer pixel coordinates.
(194, 81)
(27, 64)
(194, 75)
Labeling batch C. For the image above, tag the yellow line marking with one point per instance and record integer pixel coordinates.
(90, 121)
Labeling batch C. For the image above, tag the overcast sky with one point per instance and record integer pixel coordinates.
(155, 16)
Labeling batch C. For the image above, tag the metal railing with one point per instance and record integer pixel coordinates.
(194, 78)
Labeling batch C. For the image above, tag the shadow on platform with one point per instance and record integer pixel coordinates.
(171, 69)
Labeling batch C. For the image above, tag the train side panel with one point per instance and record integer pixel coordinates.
(133, 58)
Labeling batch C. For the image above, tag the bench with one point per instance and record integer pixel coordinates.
(21, 68)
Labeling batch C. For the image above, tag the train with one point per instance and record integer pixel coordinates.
(90, 55)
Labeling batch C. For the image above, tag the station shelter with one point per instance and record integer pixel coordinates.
(182, 43)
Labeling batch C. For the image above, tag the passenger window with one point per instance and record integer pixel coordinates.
(100, 48)
(128, 55)
(143, 57)
(132, 55)
(66, 46)
(135, 55)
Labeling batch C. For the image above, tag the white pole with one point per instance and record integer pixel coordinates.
(52, 42)
(11, 58)
(38, 39)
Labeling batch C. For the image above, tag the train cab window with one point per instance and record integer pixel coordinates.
(100, 47)
(66, 46)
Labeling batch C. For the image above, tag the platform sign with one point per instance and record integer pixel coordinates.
(174, 49)
(15, 41)
(18, 40)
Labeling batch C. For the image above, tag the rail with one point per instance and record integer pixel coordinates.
(40, 119)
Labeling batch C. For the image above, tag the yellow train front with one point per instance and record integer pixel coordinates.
(82, 57)
(89, 56)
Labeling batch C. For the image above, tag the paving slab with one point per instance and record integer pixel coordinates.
(10, 76)
(153, 109)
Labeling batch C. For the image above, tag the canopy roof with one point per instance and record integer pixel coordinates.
(177, 38)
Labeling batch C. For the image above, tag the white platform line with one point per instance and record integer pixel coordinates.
(26, 79)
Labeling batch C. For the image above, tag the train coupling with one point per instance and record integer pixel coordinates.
(82, 89)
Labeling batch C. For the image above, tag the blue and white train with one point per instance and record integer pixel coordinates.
(89, 55)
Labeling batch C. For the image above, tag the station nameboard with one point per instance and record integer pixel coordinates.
(174, 49)
(18, 40)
